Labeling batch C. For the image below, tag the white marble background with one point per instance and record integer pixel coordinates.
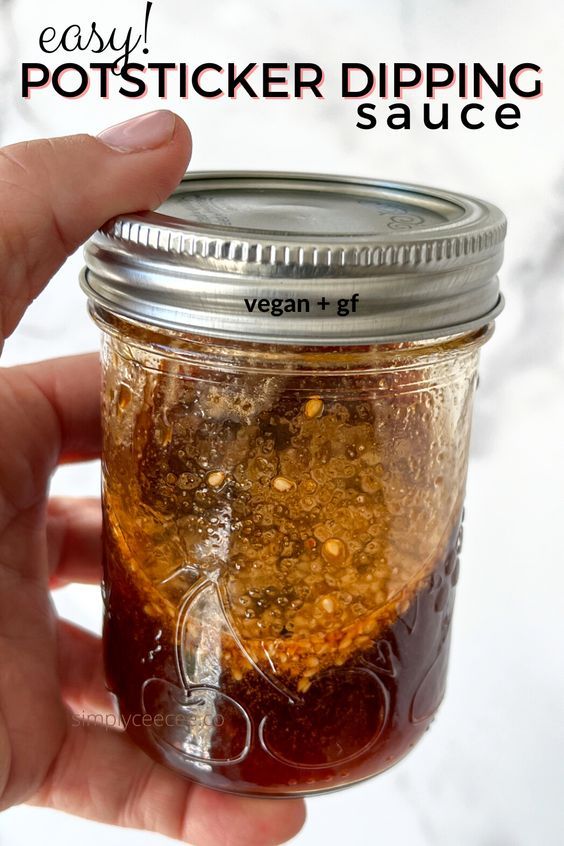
(491, 771)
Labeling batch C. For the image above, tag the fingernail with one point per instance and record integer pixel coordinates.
(146, 132)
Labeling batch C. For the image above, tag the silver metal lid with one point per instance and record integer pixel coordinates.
(302, 259)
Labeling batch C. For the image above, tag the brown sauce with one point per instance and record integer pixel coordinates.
(281, 550)
(354, 721)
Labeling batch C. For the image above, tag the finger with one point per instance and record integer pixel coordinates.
(50, 412)
(74, 541)
(55, 192)
(71, 387)
(81, 672)
(101, 775)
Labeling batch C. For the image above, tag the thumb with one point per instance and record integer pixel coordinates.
(55, 192)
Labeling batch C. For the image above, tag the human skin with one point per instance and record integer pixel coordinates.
(53, 194)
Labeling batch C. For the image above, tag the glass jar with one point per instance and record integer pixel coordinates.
(283, 488)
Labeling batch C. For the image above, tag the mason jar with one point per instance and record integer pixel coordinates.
(289, 363)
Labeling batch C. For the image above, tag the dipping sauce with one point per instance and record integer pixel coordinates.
(282, 516)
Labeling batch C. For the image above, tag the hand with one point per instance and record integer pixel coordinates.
(53, 194)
